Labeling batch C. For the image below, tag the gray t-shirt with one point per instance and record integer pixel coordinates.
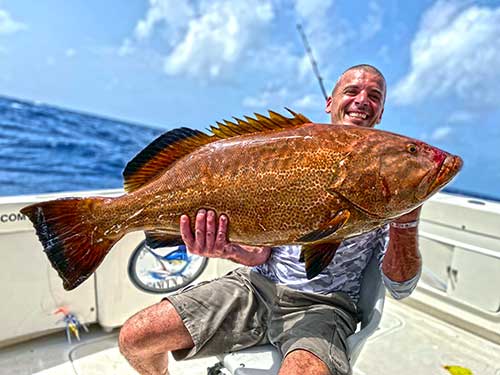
(343, 274)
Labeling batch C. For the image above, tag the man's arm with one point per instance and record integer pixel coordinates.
(402, 261)
(210, 240)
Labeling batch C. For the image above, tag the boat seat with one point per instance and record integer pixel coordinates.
(266, 359)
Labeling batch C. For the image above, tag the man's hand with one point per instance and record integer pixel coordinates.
(210, 240)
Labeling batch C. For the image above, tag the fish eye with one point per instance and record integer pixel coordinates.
(412, 148)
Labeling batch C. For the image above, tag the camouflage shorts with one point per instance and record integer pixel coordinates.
(243, 309)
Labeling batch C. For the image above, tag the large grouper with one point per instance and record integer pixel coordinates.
(280, 180)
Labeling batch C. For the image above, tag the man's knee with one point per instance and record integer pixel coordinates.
(301, 361)
(154, 329)
(130, 339)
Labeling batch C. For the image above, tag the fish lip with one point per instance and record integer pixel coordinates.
(448, 165)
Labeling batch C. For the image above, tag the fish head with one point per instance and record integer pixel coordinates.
(389, 174)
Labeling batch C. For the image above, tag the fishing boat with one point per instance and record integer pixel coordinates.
(451, 319)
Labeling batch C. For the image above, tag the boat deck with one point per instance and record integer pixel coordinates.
(409, 341)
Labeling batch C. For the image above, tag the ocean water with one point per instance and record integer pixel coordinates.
(45, 149)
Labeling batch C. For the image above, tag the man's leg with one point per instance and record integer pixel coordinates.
(147, 337)
(311, 330)
(300, 362)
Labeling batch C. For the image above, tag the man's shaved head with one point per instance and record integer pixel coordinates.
(365, 67)
(358, 97)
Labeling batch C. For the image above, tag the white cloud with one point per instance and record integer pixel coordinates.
(312, 9)
(170, 14)
(8, 25)
(323, 35)
(276, 98)
(327, 32)
(373, 23)
(268, 98)
(210, 39)
(127, 48)
(70, 52)
(220, 38)
(309, 102)
(167, 18)
(204, 39)
(455, 53)
(383, 53)
(462, 117)
(304, 67)
(441, 133)
(256, 102)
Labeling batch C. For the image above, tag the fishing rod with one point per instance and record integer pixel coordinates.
(311, 59)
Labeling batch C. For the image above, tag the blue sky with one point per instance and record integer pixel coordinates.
(169, 63)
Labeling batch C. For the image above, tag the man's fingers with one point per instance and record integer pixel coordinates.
(186, 234)
(221, 238)
(200, 230)
(210, 231)
(210, 236)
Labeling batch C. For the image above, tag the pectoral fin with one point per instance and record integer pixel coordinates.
(327, 230)
(157, 239)
(317, 257)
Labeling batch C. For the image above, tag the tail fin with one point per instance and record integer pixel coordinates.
(72, 239)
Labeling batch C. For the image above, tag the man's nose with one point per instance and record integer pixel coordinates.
(361, 99)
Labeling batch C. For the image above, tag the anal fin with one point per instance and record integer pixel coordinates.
(317, 257)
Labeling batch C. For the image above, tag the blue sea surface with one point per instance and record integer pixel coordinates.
(45, 149)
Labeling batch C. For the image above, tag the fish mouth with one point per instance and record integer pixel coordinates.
(447, 170)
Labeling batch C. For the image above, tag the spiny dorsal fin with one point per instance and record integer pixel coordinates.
(260, 123)
(160, 154)
(177, 143)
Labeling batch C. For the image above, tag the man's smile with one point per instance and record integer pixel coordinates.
(360, 115)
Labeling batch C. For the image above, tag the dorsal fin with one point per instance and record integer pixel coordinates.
(174, 144)
(160, 154)
(275, 121)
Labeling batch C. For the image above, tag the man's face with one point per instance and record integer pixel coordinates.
(358, 99)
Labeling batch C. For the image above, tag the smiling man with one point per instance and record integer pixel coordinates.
(358, 97)
(272, 300)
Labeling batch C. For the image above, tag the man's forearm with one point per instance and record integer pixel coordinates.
(248, 255)
(402, 260)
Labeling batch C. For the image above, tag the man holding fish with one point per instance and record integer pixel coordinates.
(275, 300)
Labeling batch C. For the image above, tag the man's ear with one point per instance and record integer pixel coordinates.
(380, 117)
(328, 104)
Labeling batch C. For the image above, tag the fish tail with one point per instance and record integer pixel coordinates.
(71, 236)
